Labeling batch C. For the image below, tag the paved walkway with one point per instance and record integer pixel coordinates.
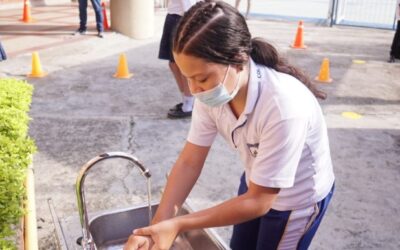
(53, 26)
(79, 111)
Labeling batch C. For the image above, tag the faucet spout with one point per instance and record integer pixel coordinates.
(87, 241)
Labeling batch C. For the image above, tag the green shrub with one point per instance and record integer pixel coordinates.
(16, 149)
(15, 93)
(13, 122)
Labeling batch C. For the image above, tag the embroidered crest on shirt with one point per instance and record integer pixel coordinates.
(253, 148)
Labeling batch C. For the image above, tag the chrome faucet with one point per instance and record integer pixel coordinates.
(87, 241)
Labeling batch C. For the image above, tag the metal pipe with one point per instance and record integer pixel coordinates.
(60, 236)
(87, 241)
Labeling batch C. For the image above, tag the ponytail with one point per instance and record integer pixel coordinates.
(265, 54)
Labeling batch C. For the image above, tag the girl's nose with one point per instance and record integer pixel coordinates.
(194, 88)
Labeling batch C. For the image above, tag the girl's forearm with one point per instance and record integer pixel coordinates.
(181, 180)
(180, 183)
(233, 211)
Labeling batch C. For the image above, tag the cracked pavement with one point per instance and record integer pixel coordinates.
(79, 111)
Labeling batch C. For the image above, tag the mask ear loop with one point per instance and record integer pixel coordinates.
(226, 75)
(237, 87)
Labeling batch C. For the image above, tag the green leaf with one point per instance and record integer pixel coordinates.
(15, 154)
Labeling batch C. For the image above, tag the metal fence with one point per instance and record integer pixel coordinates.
(369, 13)
(365, 13)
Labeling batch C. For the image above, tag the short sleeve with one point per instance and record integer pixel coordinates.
(203, 129)
(279, 152)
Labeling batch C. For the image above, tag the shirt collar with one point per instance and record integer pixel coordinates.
(253, 88)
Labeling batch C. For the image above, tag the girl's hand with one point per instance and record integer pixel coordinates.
(163, 234)
(136, 242)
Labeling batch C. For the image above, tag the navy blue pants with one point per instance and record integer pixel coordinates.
(3, 55)
(83, 14)
(265, 233)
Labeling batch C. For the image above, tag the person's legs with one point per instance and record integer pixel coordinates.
(183, 109)
(245, 235)
(181, 81)
(395, 48)
(99, 16)
(82, 15)
(177, 75)
(237, 3)
(3, 55)
(248, 8)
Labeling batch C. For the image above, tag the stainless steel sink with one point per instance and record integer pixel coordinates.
(111, 229)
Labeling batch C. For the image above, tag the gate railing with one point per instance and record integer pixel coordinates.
(363, 13)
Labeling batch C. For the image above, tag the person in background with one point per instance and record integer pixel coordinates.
(3, 55)
(237, 3)
(267, 110)
(83, 17)
(176, 9)
(395, 48)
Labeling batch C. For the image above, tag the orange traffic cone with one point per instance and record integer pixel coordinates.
(105, 20)
(122, 70)
(36, 66)
(299, 41)
(26, 15)
(324, 75)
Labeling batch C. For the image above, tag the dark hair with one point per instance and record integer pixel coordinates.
(217, 32)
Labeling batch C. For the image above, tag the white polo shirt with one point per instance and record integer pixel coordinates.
(281, 137)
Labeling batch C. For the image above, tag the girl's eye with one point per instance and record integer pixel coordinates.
(203, 80)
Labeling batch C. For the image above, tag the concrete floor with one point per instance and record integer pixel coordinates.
(79, 111)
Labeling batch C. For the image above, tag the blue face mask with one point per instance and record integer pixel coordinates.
(218, 95)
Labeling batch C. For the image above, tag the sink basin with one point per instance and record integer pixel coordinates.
(110, 230)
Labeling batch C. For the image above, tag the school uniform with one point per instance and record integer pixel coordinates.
(282, 139)
(176, 9)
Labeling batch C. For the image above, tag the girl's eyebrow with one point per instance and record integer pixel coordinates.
(198, 74)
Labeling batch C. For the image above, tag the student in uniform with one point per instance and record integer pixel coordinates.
(265, 109)
(176, 9)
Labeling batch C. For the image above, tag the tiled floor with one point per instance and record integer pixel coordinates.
(53, 26)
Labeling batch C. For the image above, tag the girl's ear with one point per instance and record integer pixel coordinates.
(239, 67)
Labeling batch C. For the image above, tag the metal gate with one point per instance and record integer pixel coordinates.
(366, 13)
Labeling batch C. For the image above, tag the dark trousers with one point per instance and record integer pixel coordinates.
(3, 55)
(83, 14)
(395, 49)
(265, 233)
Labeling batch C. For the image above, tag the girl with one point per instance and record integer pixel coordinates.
(267, 111)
